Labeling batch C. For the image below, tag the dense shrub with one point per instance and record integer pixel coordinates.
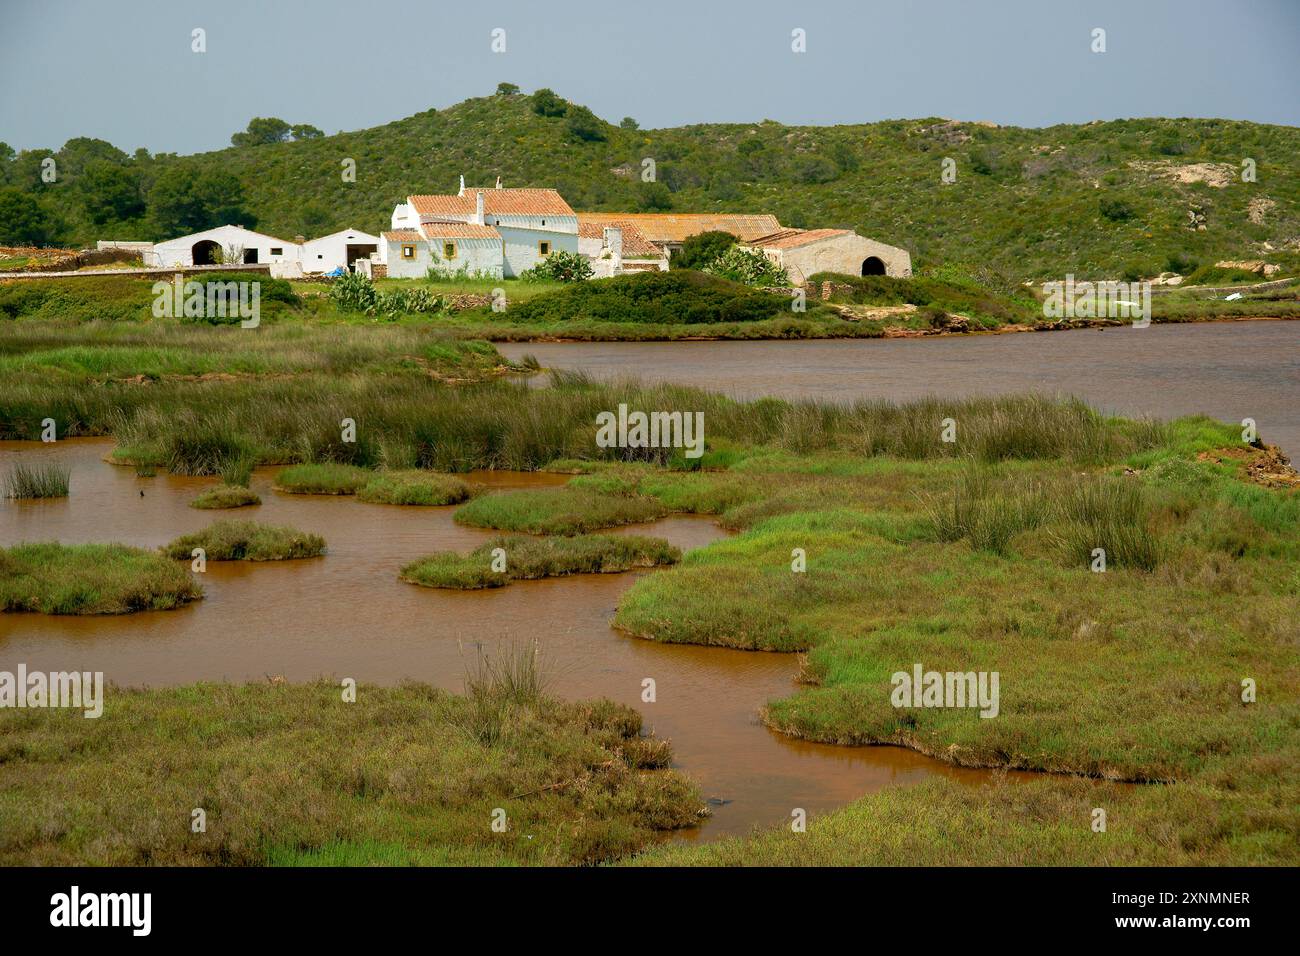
(964, 297)
(702, 249)
(353, 292)
(559, 266)
(749, 266)
(658, 297)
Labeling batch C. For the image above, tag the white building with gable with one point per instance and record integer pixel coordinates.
(493, 232)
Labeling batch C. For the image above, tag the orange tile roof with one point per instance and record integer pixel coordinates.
(635, 244)
(402, 235)
(793, 238)
(678, 227)
(496, 202)
(458, 230)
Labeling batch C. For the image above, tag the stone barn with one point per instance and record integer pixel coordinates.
(804, 252)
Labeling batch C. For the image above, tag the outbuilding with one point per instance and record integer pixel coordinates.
(805, 252)
(222, 245)
(338, 250)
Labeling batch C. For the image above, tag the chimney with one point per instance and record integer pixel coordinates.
(614, 243)
(478, 209)
(299, 239)
(462, 186)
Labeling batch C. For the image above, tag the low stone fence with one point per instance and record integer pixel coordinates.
(141, 273)
(830, 288)
(70, 261)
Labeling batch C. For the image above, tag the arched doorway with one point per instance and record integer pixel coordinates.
(873, 266)
(208, 253)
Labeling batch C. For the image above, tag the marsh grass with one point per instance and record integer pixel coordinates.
(413, 487)
(392, 778)
(230, 540)
(564, 511)
(52, 578)
(286, 407)
(530, 558)
(226, 496)
(327, 478)
(37, 481)
(1081, 513)
(236, 472)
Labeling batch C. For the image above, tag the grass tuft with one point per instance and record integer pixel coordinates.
(531, 558)
(228, 540)
(52, 578)
(38, 481)
(565, 511)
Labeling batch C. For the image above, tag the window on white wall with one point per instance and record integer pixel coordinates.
(544, 248)
(449, 250)
(277, 250)
(408, 252)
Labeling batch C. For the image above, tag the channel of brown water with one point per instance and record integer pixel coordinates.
(347, 615)
(1227, 370)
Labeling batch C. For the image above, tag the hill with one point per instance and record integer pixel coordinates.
(1102, 199)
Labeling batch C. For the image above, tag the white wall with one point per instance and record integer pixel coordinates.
(331, 252)
(473, 256)
(399, 268)
(179, 251)
(521, 250)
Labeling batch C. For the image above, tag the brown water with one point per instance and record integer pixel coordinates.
(347, 615)
(1227, 370)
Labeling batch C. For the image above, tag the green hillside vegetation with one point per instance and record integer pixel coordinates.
(1096, 199)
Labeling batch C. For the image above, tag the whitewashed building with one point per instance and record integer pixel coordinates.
(219, 246)
(451, 247)
(616, 246)
(338, 250)
(526, 225)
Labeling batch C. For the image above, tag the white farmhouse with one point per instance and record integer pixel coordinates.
(338, 250)
(512, 231)
(219, 246)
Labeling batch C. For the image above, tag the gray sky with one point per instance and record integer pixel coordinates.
(123, 70)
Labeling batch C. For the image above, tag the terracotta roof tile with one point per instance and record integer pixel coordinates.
(678, 227)
(496, 202)
(401, 235)
(635, 243)
(458, 230)
(793, 238)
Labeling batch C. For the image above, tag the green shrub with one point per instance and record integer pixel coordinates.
(748, 266)
(545, 103)
(559, 266)
(353, 292)
(702, 249)
(652, 297)
(1116, 210)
